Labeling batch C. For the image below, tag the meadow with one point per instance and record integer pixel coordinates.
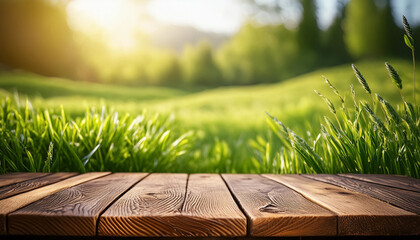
(222, 129)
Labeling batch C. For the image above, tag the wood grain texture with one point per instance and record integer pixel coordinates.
(7, 179)
(210, 210)
(404, 199)
(150, 208)
(159, 206)
(358, 214)
(396, 181)
(73, 211)
(275, 210)
(11, 204)
(20, 187)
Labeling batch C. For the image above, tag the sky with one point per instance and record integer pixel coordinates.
(227, 16)
(121, 18)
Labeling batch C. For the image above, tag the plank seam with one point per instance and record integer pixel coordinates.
(27, 180)
(27, 190)
(370, 196)
(304, 196)
(181, 209)
(7, 215)
(248, 219)
(361, 180)
(113, 201)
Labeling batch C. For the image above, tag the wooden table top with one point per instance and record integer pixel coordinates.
(208, 205)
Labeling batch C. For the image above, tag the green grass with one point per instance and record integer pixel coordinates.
(226, 122)
(353, 140)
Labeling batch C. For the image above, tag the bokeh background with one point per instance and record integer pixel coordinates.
(197, 43)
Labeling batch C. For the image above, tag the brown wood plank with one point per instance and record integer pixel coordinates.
(10, 178)
(404, 199)
(73, 211)
(210, 210)
(150, 208)
(158, 206)
(358, 214)
(20, 187)
(11, 204)
(275, 210)
(397, 181)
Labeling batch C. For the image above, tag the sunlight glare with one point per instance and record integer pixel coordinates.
(119, 21)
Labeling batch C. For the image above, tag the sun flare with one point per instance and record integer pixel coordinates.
(118, 22)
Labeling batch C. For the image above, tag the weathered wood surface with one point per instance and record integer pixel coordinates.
(11, 204)
(404, 199)
(7, 179)
(396, 181)
(160, 206)
(210, 209)
(73, 211)
(209, 205)
(357, 213)
(275, 210)
(30, 184)
(147, 209)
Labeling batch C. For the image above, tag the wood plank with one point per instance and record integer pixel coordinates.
(10, 178)
(20, 187)
(404, 199)
(210, 210)
(11, 204)
(73, 211)
(150, 208)
(397, 181)
(158, 206)
(358, 214)
(275, 210)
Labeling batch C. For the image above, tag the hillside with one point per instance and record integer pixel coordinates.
(218, 109)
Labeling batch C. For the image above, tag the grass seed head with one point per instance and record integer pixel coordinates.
(394, 75)
(407, 27)
(329, 103)
(390, 111)
(361, 79)
(333, 88)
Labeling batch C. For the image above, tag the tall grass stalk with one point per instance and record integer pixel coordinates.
(359, 141)
(409, 41)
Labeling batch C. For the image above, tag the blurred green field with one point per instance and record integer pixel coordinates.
(232, 115)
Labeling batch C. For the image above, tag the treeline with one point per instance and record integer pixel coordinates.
(256, 54)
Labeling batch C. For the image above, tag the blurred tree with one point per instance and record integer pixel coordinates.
(258, 54)
(369, 30)
(164, 69)
(34, 36)
(198, 66)
(391, 32)
(308, 34)
(333, 41)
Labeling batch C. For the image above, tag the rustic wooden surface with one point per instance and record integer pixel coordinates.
(73, 211)
(275, 210)
(163, 205)
(7, 179)
(30, 184)
(209, 208)
(404, 199)
(396, 181)
(357, 213)
(11, 204)
(208, 205)
(147, 209)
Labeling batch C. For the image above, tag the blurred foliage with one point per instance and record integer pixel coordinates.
(198, 66)
(370, 30)
(253, 55)
(35, 36)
